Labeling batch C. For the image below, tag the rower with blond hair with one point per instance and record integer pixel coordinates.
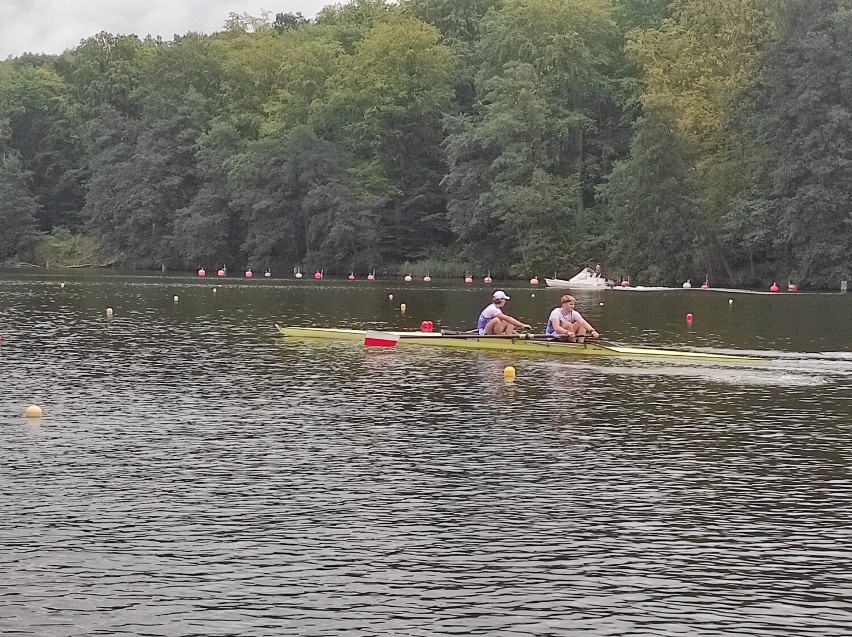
(566, 323)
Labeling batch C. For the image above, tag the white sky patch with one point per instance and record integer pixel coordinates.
(52, 26)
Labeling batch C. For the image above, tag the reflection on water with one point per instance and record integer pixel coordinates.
(195, 474)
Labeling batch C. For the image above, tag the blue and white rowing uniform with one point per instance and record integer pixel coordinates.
(564, 319)
(486, 315)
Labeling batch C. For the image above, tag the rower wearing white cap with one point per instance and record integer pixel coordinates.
(492, 320)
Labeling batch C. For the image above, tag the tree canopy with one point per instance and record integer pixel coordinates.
(666, 139)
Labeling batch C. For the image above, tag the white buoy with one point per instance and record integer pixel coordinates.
(390, 297)
(109, 312)
(215, 290)
(175, 298)
(33, 411)
(62, 285)
(730, 301)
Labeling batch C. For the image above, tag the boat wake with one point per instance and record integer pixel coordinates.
(784, 369)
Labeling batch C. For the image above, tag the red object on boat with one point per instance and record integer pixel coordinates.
(380, 339)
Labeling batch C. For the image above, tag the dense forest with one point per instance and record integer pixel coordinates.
(664, 140)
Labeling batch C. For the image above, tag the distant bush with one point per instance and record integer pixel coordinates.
(436, 267)
(62, 248)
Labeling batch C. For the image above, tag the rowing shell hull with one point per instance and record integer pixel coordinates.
(526, 346)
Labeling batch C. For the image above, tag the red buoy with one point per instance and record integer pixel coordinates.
(689, 318)
(792, 287)
(351, 276)
(533, 281)
(773, 287)
(202, 272)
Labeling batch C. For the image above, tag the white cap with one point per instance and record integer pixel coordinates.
(500, 295)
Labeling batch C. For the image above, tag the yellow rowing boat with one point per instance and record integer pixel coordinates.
(516, 343)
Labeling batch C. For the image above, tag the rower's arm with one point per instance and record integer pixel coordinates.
(589, 327)
(516, 322)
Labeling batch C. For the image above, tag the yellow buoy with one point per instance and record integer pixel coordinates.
(109, 312)
(33, 411)
(175, 298)
(509, 372)
(402, 307)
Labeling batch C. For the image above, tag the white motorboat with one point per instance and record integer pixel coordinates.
(586, 278)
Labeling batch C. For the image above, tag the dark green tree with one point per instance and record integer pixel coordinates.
(18, 210)
(805, 117)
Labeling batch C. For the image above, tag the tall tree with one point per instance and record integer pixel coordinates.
(548, 115)
(18, 210)
(805, 116)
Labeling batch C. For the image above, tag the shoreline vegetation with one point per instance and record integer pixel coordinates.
(666, 140)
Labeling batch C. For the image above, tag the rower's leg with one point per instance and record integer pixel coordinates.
(508, 328)
(494, 326)
(580, 333)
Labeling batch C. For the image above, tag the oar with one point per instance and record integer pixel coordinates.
(387, 339)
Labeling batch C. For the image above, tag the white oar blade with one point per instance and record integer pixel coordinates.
(380, 339)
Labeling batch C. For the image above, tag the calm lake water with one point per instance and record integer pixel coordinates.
(196, 474)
